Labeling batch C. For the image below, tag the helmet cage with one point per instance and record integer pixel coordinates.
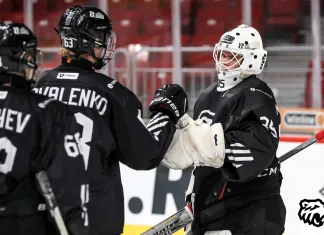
(251, 62)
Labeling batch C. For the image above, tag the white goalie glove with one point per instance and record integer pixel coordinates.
(196, 143)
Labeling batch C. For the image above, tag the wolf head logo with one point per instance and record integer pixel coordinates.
(312, 212)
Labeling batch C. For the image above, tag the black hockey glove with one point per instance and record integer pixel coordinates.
(172, 100)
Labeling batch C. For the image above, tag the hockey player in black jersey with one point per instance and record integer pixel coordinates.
(87, 44)
(36, 133)
(235, 186)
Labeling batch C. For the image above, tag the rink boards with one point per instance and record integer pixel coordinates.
(152, 196)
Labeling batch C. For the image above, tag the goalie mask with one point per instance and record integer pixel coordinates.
(18, 53)
(88, 30)
(238, 55)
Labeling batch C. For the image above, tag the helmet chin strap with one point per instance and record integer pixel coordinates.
(99, 63)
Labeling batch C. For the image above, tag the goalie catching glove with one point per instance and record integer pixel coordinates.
(195, 143)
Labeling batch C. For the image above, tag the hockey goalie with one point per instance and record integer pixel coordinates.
(232, 142)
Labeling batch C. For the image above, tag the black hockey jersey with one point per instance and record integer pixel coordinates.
(251, 121)
(119, 135)
(34, 136)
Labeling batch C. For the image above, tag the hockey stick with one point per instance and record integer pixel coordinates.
(48, 194)
(184, 216)
(173, 223)
(318, 137)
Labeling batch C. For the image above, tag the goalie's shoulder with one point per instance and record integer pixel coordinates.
(256, 91)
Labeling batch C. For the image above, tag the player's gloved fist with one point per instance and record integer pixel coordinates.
(170, 99)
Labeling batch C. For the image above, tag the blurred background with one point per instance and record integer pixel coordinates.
(163, 41)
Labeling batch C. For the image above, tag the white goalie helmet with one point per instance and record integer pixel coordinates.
(238, 55)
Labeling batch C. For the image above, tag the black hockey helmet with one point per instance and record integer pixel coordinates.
(82, 29)
(18, 50)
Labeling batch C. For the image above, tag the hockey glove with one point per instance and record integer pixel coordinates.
(196, 144)
(172, 100)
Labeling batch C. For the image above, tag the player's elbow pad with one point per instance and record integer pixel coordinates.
(196, 144)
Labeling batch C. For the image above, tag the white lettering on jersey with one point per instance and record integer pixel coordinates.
(111, 84)
(13, 120)
(76, 97)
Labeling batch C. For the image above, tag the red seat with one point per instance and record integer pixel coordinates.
(153, 81)
(283, 7)
(185, 39)
(118, 16)
(148, 82)
(185, 7)
(17, 17)
(219, 14)
(236, 17)
(211, 21)
(156, 26)
(255, 4)
(146, 5)
(62, 5)
(17, 5)
(40, 6)
(215, 4)
(165, 39)
(146, 40)
(42, 26)
(205, 40)
(161, 60)
(196, 58)
(283, 12)
(43, 29)
(114, 5)
(283, 20)
(125, 26)
(211, 26)
(6, 6)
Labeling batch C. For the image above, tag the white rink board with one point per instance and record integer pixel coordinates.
(303, 179)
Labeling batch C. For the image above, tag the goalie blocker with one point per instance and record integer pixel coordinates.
(195, 143)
